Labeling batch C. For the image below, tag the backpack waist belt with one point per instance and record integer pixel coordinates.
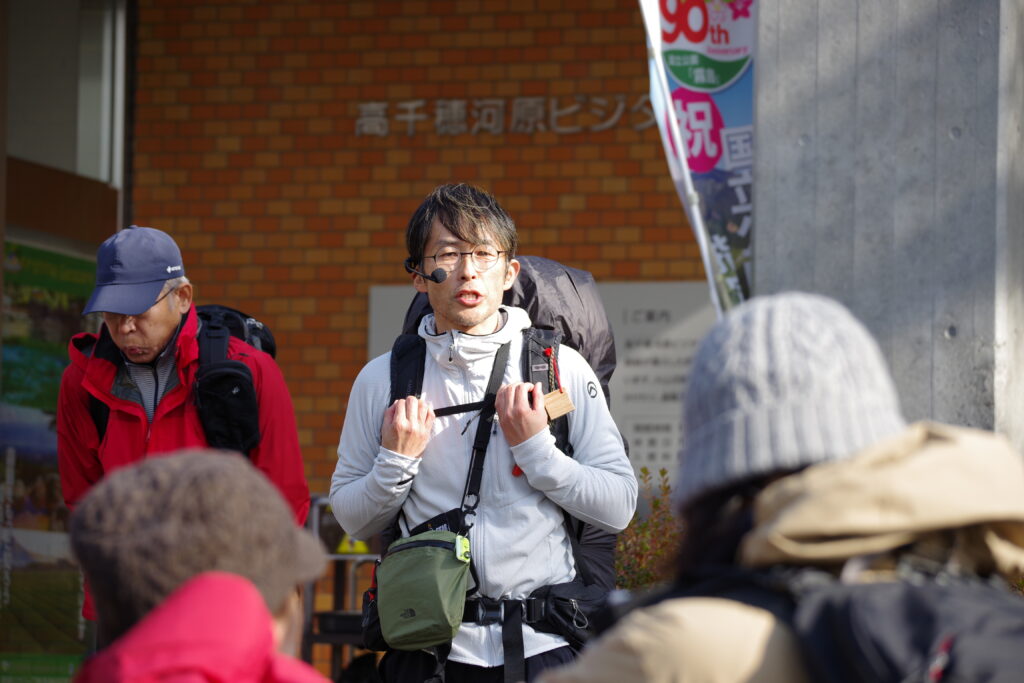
(489, 611)
(511, 615)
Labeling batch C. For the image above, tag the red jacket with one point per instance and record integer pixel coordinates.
(129, 436)
(216, 627)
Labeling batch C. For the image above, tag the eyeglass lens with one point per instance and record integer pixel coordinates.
(483, 258)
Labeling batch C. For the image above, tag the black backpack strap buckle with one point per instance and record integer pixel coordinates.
(484, 611)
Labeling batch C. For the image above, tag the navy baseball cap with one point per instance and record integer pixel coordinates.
(131, 269)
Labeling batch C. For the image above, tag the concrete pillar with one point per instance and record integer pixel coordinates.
(889, 174)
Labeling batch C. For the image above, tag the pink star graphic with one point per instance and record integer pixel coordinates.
(741, 8)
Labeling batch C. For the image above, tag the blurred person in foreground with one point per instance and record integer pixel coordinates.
(795, 454)
(195, 564)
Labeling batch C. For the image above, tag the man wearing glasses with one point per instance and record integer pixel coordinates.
(128, 392)
(400, 460)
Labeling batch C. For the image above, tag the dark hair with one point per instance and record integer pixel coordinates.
(468, 212)
(715, 523)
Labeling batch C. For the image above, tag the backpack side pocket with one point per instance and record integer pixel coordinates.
(227, 405)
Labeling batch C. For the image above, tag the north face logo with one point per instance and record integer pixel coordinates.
(408, 613)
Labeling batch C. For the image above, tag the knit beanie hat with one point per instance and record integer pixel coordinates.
(779, 383)
(145, 530)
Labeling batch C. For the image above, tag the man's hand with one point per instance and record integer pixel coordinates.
(407, 425)
(519, 418)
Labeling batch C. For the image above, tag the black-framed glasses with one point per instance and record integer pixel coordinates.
(483, 258)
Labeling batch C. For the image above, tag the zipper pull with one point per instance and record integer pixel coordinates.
(579, 619)
(451, 348)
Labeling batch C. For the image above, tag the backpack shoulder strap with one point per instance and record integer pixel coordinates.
(408, 356)
(224, 392)
(539, 363)
(213, 340)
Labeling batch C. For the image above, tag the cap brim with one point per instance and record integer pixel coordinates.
(125, 299)
(310, 561)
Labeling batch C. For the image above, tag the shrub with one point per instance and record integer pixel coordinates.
(646, 550)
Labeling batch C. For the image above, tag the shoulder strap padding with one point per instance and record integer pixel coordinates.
(214, 336)
(536, 367)
(408, 356)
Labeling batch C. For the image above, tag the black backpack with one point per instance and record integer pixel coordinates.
(925, 626)
(241, 325)
(565, 307)
(224, 393)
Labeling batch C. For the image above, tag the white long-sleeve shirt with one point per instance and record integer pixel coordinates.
(518, 540)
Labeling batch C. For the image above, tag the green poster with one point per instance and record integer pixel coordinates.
(41, 631)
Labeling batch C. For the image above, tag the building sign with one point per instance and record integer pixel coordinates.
(496, 116)
(657, 327)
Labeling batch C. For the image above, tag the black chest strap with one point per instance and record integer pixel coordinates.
(457, 519)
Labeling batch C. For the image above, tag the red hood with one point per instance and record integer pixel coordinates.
(215, 628)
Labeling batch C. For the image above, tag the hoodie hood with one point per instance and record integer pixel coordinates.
(216, 627)
(929, 478)
(466, 349)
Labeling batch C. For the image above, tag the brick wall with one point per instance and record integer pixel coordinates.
(272, 139)
(246, 150)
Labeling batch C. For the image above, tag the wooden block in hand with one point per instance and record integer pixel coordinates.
(557, 404)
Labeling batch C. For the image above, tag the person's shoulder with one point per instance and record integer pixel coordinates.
(573, 363)
(673, 640)
(705, 631)
(264, 368)
(376, 370)
(377, 363)
(239, 349)
(567, 353)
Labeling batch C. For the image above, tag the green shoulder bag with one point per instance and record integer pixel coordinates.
(421, 589)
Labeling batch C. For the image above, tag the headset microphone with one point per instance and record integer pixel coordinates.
(439, 275)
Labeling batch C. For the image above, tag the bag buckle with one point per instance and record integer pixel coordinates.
(533, 610)
(489, 611)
